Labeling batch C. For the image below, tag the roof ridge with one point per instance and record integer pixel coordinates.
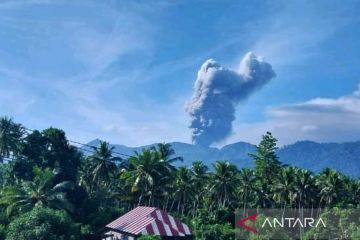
(141, 217)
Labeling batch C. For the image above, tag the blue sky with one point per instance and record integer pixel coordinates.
(123, 71)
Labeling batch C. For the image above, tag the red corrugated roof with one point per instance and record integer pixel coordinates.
(149, 221)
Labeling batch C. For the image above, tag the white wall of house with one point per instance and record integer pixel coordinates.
(117, 236)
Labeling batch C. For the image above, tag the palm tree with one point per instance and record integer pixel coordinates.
(42, 191)
(142, 173)
(304, 186)
(283, 188)
(224, 182)
(104, 166)
(351, 190)
(166, 152)
(10, 136)
(183, 188)
(264, 196)
(200, 179)
(150, 173)
(166, 156)
(86, 177)
(331, 186)
(247, 186)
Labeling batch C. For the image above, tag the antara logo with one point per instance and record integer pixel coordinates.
(241, 223)
(282, 222)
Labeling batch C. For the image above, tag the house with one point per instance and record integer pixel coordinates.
(146, 221)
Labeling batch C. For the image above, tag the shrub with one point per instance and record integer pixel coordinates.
(148, 237)
(2, 232)
(43, 223)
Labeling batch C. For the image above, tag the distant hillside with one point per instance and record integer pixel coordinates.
(344, 157)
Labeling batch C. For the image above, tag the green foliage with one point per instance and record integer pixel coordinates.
(331, 184)
(98, 215)
(99, 171)
(10, 137)
(149, 173)
(215, 232)
(354, 231)
(184, 187)
(149, 237)
(43, 223)
(340, 224)
(42, 191)
(267, 164)
(246, 190)
(267, 168)
(47, 149)
(2, 232)
(6, 177)
(224, 182)
(216, 225)
(48, 172)
(104, 164)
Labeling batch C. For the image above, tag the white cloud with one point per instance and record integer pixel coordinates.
(319, 119)
(309, 128)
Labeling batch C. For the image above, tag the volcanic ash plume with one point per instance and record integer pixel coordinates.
(218, 90)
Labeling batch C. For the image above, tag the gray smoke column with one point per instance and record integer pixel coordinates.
(217, 92)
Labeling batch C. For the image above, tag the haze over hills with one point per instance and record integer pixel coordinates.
(344, 157)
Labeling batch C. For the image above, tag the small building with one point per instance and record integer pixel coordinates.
(146, 221)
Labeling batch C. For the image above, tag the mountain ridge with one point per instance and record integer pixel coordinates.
(315, 156)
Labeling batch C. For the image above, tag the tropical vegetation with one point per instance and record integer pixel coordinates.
(53, 189)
